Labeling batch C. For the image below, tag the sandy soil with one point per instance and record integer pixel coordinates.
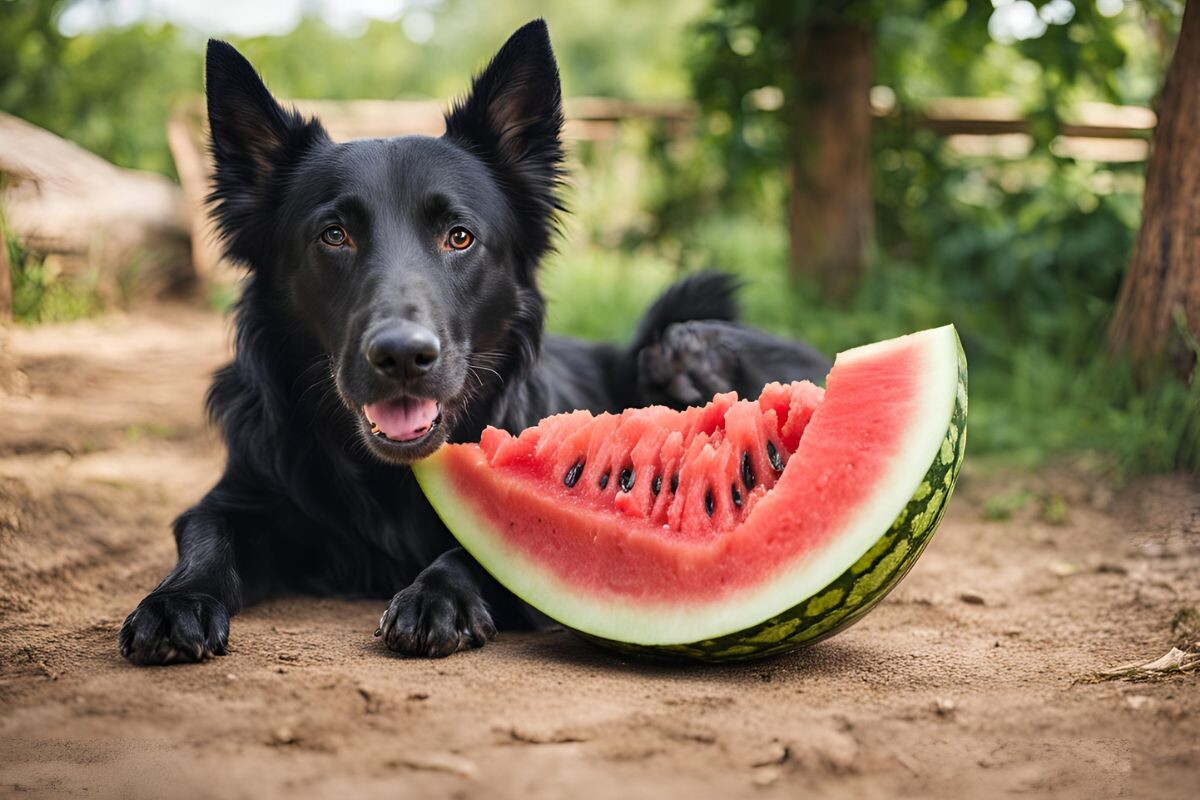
(970, 681)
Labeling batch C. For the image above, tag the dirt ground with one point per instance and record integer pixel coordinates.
(969, 681)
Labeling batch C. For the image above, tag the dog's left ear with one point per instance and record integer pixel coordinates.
(254, 141)
(513, 117)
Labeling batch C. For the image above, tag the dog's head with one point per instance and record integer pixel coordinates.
(409, 262)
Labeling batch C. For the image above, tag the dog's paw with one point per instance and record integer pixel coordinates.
(174, 627)
(692, 362)
(433, 620)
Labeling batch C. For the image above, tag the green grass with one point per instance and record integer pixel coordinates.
(221, 297)
(40, 295)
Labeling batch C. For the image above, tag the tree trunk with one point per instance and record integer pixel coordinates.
(1162, 285)
(831, 214)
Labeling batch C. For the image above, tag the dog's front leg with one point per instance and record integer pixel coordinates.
(186, 617)
(441, 612)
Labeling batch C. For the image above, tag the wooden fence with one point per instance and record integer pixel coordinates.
(984, 127)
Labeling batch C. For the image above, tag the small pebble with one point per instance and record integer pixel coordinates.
(1063, 568)
(773, 754)
(765, 776)
(972, 598)
(1138, 701)
(440, 762)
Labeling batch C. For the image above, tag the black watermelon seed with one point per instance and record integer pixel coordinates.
(572, 476)
(737, 496)
(656, 485)
(773, 455)
(675, 483)
(708, 502)
(747, 473)
(625, 481)
(604, 480)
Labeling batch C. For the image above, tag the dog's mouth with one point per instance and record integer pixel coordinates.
(404, 419)
(403, 429)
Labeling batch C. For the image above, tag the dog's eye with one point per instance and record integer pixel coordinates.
(459, 238)
(335, 236)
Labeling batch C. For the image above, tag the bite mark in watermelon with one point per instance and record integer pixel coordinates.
(734, 530)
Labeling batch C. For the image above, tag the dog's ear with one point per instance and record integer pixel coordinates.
(513, 119)
(253, 141)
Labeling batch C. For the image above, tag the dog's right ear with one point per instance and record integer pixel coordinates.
(513, 119)
(254, 141)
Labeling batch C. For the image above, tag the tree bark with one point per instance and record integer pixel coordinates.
(831, 213)
(1162, 285)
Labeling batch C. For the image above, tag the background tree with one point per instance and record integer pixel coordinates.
(1158, 313)
(811, 62)
(831, 213)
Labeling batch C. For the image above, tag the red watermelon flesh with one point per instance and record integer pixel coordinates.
(685, 479)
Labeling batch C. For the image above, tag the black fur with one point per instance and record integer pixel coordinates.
(311, 500)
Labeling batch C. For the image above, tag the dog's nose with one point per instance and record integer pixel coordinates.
(406, 351)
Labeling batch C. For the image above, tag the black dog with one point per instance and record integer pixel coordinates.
(392, 305)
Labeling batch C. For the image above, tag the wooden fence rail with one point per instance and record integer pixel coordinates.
(984, 127)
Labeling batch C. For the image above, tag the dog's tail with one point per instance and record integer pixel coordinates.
(701, 295)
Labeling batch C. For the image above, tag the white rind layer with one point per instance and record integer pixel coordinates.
(666, 623)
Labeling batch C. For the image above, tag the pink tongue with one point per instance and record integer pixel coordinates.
(403, 420)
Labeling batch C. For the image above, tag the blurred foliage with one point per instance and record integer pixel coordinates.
(1025, 255)
(109, 92)
(40, 295)
(923, 49)
(111, 89)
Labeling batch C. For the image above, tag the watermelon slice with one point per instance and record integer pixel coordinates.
(736, 530)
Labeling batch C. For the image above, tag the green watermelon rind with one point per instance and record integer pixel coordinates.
(837, 604)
